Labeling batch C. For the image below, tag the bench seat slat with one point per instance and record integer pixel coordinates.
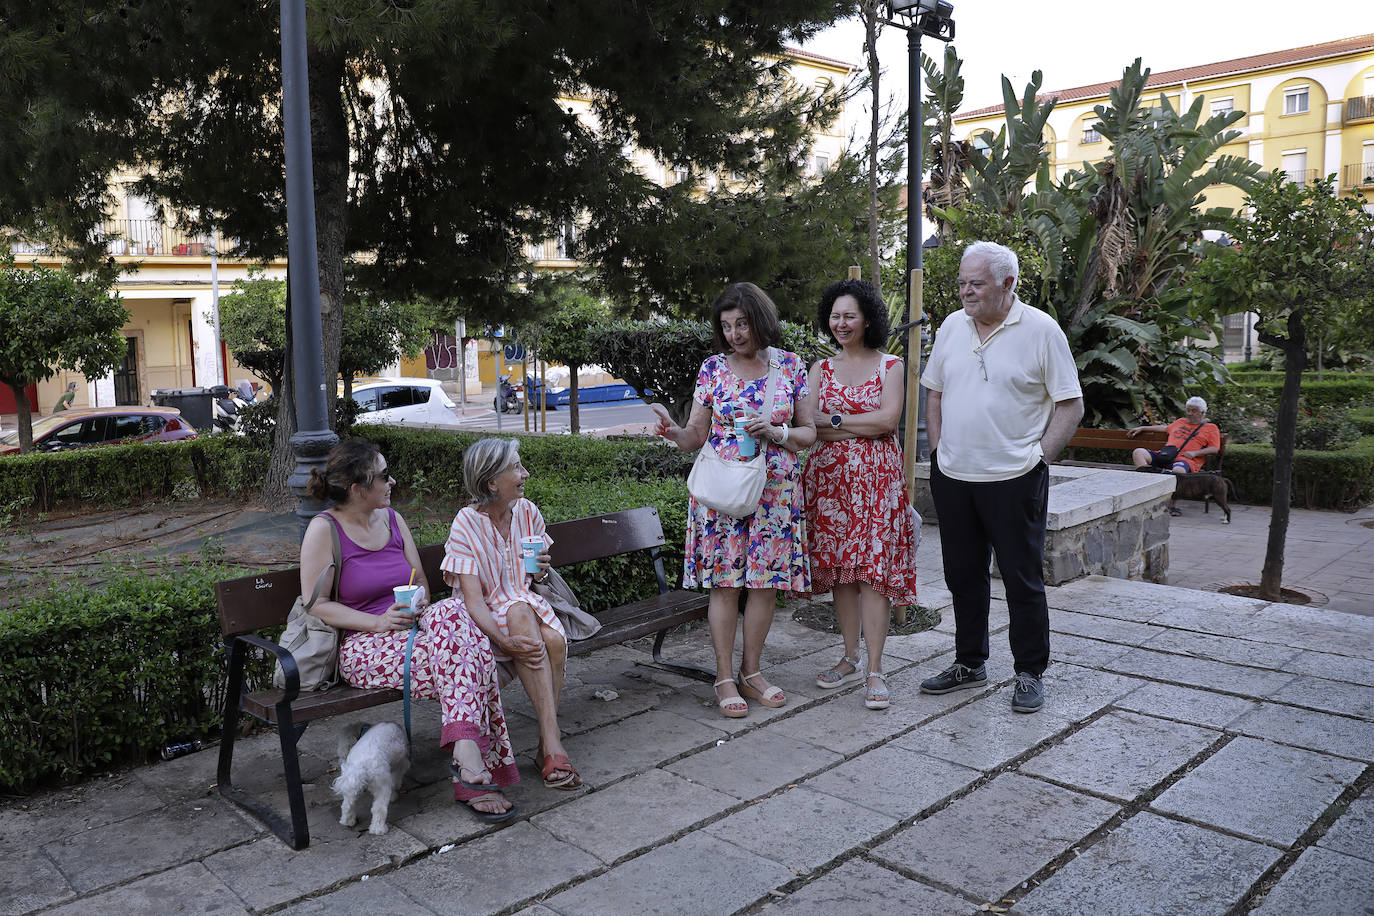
(319, 703)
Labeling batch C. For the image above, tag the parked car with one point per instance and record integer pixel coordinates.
(403, 401)
(90, 426)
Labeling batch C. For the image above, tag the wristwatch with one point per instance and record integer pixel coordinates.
(835, 421)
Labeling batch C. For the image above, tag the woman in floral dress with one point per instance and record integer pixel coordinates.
(863, 530)
(451, 660)
(764, 552)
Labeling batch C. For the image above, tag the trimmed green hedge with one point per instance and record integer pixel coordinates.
(122, 475)
(1364, 420)
(98, 676)
(1340, 479)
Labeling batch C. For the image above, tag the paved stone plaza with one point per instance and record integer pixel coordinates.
(1197, 754)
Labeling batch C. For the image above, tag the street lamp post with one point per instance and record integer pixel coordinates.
(313, 438)
(923, 17)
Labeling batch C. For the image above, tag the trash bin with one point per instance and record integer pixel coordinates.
(194, 404)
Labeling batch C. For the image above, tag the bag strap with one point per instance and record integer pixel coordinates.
(771, 389)
(1190, 437)
(333, 566)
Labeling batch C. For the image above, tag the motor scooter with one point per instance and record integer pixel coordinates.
(508, 396)
(225, 409)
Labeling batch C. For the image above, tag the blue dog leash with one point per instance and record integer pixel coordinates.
(405, 680)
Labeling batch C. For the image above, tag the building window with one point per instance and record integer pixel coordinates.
(677, 174)
(1091, 134)
(1295, 166)
(820, 165)
(1295, 100)
(567, 240)
(1223, 106)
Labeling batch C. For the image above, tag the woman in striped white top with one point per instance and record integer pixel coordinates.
(482, 561)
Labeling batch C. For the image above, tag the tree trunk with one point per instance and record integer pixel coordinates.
(870, 17)
(329, 148)
(574, 412)
(24, 416)
(275, 494)
(1285, 440)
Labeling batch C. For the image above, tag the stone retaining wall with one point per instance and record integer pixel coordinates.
(1100, 522)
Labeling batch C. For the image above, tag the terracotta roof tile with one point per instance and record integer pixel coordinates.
(1202, 71)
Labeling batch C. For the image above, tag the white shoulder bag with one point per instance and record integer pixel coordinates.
(734, 488)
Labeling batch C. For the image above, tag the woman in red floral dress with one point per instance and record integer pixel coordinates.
(863, 531)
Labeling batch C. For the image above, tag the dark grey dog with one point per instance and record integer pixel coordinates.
(1206, 487)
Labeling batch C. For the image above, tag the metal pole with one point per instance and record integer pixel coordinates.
(914, 438)
(221, 362)
(313, 438)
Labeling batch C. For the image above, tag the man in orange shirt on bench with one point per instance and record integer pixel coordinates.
(1191, 440)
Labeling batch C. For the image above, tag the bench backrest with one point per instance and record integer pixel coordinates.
(1087, 437)
(256, 602)
(259, 601)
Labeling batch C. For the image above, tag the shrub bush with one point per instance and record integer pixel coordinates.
(1326, 430)
(101, 675)
(124, 475)
(1342, 479)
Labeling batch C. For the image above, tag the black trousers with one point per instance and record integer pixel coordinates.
(1005, 518)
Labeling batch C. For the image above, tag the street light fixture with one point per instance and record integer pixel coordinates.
(933, 18)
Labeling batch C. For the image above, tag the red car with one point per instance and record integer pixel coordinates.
(102, 426)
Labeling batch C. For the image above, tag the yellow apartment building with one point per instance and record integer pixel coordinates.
(1309, 112)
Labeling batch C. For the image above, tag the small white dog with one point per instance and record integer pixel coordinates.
(374, 758)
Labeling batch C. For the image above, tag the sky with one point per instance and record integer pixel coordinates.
(1075, 42)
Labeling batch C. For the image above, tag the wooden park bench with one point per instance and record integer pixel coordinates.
(253, 603)
(1118, 440)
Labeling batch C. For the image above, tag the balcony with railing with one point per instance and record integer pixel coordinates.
(1300, 177)
(1359, 109)
(139, 238)
(1358, 175)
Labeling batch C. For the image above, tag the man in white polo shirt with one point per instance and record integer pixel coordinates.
(1004, 399)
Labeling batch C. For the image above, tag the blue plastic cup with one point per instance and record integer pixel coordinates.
(529, 553)
(746, 441)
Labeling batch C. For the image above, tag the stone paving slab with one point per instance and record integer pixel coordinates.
(1223, 649)
(1077, 650)
(46, 819)
(1121, 755)
(632, 815)
(264, 874)
(1317, 731)
(1186, 704)
(1153, 865)
(189, 888)
(800, 828)
(859, 886)
(698, 875)
(1333, 666)
(30, 880)
(1200, 672)
(894, 780)
(1269, 792)
(494, 872)
(989, 841)
(148, 843)
(1331, 696)
(984, 734)
(1353, 832)
(1322, 883)
(754, 764)
(1096, 626)
(635, 744)
(376, 896)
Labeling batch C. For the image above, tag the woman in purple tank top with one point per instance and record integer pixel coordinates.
(451, 660)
